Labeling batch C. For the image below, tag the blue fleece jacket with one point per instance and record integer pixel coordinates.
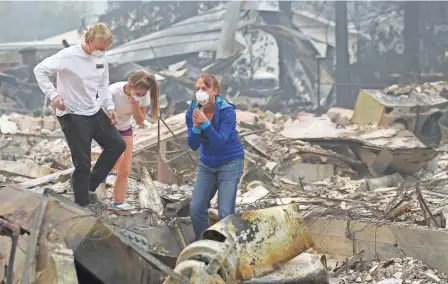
(218, 140)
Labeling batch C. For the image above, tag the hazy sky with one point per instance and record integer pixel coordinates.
(99, 6)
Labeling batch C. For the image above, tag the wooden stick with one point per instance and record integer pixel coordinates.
(148, 196)
(406, 207)
(48, 178)
(424, 206)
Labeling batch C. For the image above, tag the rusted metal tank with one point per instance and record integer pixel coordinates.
(246, 246)
(263, 238)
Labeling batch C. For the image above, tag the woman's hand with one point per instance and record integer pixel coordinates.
(195, 122)
(199, 116)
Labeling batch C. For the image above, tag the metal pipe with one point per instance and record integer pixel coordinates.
(158, 132)
(35, 230)
(318, 84)
(12, 256)
(342, 56)
(180, 155)
(175, 137)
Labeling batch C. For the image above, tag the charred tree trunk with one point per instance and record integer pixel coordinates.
(343, 91)
(411, 38)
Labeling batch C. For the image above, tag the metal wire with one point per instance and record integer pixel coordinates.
(174, 135)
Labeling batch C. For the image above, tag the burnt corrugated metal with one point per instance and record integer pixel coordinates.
(199, 33)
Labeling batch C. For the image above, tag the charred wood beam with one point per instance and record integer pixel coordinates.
(342, 57)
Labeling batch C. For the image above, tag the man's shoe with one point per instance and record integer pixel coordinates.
(94, 199)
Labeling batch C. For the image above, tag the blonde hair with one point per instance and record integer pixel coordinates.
(99, 31)
(144, 80)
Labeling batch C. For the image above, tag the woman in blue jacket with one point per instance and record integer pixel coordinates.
(211, 123)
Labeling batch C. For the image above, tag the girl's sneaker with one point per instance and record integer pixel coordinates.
(122, 206)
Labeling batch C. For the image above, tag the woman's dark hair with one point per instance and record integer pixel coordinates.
(146, 81)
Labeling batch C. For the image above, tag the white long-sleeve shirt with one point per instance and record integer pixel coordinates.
(80, 76)
(123, 106)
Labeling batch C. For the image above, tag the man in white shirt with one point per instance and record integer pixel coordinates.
(82, 73)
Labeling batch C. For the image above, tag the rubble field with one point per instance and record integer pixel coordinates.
(305, 159)
(346, 196)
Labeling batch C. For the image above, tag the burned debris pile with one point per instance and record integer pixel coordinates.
(349, 196)
(327, 165)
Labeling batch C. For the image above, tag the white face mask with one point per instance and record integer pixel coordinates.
(98, 53)
(202, 97)
(137, 98)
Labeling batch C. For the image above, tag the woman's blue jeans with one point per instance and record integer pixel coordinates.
(225, 180)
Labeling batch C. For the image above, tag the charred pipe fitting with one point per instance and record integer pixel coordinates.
(15, 229)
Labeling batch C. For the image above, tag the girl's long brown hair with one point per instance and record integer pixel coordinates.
(146, 81)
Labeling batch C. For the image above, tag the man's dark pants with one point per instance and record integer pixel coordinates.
(79, 131)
